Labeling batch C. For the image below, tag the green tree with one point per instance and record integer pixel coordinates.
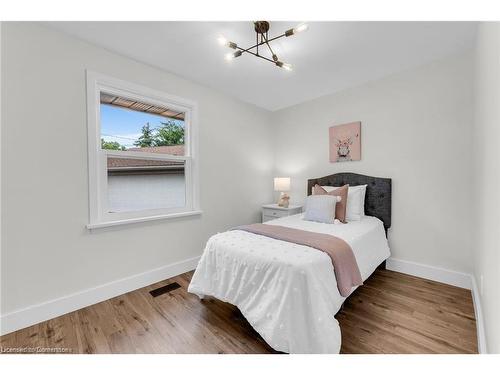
(147, 137)
(170, 133)
(105, 145)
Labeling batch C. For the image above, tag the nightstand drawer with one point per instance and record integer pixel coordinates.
(274, 213)
(267, 218)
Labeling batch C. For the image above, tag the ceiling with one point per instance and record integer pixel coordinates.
(329, 57)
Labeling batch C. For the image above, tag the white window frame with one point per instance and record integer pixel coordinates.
(97, 158)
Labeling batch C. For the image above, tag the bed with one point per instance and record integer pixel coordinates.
(288, 291)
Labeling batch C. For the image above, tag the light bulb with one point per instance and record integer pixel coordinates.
(283, 65)
(300, 28)
(222, 41)
(229, 56)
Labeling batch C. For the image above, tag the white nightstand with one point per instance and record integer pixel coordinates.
(273, 211)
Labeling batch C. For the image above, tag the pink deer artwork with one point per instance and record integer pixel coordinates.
(345, 142)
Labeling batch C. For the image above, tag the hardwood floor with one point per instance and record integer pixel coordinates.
(391, 313)
(397, 313)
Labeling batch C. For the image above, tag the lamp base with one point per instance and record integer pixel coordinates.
(284, 200)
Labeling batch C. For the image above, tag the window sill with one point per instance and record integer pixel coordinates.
(114, 223)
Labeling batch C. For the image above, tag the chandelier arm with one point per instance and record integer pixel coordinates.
(276, 37)
(270, 49)
(259, 44)
(262, 57)
(257, 41)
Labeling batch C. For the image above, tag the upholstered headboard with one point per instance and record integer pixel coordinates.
(378, 192)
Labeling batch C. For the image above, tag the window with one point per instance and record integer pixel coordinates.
(142, 153)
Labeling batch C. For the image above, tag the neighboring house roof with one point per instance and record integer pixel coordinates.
(134, 164)
(171, 150)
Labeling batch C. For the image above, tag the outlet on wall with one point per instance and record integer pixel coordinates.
(481, 285)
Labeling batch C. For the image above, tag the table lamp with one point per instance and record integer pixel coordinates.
(282, 184)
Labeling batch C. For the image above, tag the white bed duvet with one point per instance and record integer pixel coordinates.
(286, 291)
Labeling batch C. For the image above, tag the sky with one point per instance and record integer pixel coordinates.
(124, 126)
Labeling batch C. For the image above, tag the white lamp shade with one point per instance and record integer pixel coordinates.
(282, 184)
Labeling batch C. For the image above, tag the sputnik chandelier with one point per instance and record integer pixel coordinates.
(262, 39)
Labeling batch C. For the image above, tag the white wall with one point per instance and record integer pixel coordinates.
(47, 252)
(486, 249)
(416, 129)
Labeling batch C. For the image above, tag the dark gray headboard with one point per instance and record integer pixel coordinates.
(378, 192)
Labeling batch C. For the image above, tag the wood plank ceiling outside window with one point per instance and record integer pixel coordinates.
(141, 107)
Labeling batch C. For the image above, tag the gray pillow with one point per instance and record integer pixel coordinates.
(320, 208)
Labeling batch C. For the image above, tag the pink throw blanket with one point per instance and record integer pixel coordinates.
(344, 263)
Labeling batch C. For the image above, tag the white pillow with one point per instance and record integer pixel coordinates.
(355, 209)
(355, 203)
(320, 208)
(363, 199)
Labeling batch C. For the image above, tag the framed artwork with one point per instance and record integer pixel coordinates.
(345, 142)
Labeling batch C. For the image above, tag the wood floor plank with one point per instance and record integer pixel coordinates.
(391, 313)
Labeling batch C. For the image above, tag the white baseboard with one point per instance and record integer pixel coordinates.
(462, 280)
(478, 311)
(16, 320)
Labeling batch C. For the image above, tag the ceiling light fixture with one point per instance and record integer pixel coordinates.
(261, 38)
